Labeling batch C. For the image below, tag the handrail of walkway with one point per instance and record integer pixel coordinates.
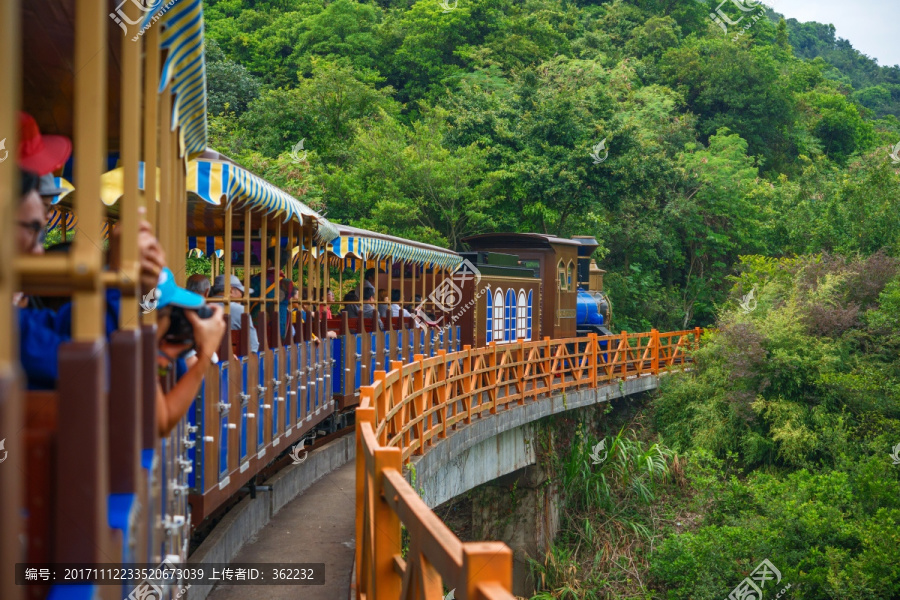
(411, 406)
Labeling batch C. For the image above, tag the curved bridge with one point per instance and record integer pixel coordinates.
(480, 394)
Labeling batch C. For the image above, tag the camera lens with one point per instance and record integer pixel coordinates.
(205, 311)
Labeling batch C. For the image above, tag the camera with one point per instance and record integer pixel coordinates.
(180, 330)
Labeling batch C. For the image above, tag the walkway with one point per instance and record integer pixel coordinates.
(316, 527)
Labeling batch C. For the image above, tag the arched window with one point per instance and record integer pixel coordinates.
(522, 317)
(489, 326)
(570, 273)
(530, 297)
(510, 315)
(498, 317)
(561, 274)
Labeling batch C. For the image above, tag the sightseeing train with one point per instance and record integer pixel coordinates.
(86, 477)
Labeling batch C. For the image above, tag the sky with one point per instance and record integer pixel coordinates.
(870, 25)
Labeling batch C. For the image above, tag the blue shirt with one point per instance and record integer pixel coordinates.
(42, 330)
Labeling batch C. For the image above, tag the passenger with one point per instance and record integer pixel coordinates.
(48, 191)
(369, 280)
(284, 294)
(199, 284)
(369, 309)
(42, 330)
(237, 309)
(351, 304)
(326, 308)
(173, 343)
(383, 305)
(396, 309)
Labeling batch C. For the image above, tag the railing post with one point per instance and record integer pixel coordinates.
(520, 372)
(386, 522)
(492, 376)
(654, 360)
(468, 383)
(418, 384)
(397, 398)
(443, 395)
(381, 407)
(592, 360)
(548, 363)
(486, 562)
(696, 338)
(363, 415)
(623, 346)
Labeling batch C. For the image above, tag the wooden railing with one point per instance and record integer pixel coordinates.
(411, 406)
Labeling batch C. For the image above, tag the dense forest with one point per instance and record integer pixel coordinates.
(710, 165)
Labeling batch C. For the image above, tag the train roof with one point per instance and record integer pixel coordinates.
(372, 244)
(517, 240)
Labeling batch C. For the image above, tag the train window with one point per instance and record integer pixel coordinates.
(530, 298)
(489, 327)
(570, 272)
(521, 316)
(498, 317)
(561, 274)
(532, 264)
(510, 315)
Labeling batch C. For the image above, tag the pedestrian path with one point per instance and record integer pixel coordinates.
(316, 527)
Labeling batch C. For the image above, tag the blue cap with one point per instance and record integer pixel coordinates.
(169, 294)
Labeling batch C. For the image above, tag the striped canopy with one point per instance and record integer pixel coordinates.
(59, 217)
(184, 67)
(213, 179)
(112, 184)
(371, 245)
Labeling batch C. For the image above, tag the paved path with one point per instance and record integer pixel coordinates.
(316, 527)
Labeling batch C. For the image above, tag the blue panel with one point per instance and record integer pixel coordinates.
(244, 409)
(275, 374)
(74, 592)
(192, 452)
(337, 372)
(260, 418)
(118, 513)
(357, 382)
(223, 420)
(309, 388)
(288, 385)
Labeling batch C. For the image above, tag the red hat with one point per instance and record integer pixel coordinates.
(40, 154)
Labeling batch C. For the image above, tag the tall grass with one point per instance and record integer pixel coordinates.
(606, 520)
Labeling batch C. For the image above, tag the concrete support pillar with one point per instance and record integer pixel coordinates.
(522, 510)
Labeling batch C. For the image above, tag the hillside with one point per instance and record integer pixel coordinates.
(708, 164)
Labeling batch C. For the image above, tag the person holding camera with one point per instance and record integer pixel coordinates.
(185, 323)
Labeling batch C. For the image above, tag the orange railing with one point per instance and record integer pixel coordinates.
(409, 407)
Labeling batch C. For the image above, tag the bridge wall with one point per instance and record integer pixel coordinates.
(496, 445)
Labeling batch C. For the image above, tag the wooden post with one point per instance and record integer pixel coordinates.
(520, 371)
(12, 474)
(654, 361)
(548, 364)
(623, 352)
(363, 415)
(696, 338)
(492, 376)
(592, 360)
(387, 529)
(418, 384)
(485, 562)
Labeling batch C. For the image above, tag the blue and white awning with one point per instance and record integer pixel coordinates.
(184, 67)
(214, 179)
(377, 246)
